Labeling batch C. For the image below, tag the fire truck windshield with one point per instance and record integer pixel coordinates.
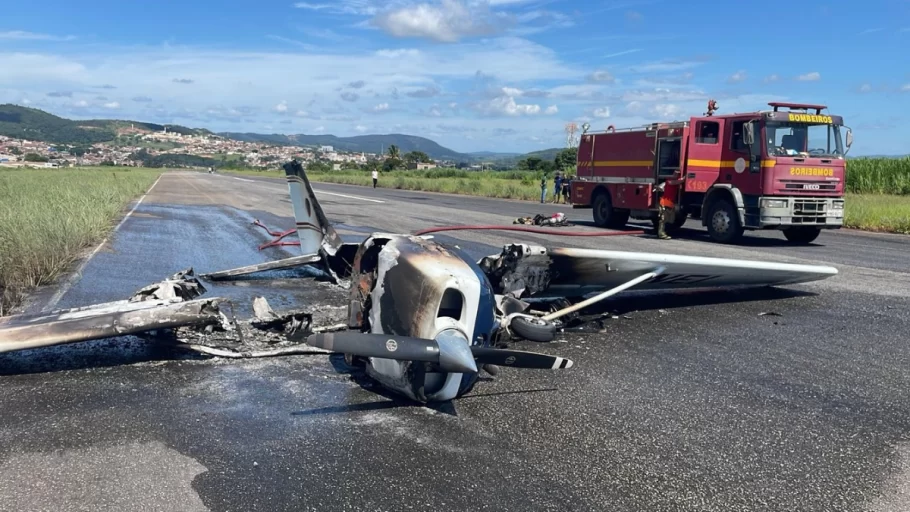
(794, 139)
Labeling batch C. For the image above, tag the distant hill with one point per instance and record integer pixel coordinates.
(544, 154)
(508, 160)
(33, 124)
(492, 155)
(359, 143)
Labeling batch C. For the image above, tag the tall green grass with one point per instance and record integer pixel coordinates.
(48, 217)
(879, 176)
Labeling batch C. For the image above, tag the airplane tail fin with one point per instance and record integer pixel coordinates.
(313, 229)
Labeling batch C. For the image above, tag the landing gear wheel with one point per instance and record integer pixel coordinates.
(802, 234)
(533, 329)
(723, 222)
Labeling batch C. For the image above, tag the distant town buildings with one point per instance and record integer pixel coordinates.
(132, 143)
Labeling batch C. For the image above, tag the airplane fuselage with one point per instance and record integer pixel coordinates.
(417, 287)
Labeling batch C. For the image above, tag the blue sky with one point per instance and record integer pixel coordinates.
(474, 75)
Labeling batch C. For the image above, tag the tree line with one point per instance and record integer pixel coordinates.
(564, 162)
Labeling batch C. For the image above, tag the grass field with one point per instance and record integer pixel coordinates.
(878, 212)
(49, 217)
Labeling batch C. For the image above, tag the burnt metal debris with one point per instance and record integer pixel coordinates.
(169, 310)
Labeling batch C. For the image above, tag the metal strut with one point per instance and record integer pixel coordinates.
(585, 303)
(601, 296)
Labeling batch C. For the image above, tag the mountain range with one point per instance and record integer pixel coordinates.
(34, 124)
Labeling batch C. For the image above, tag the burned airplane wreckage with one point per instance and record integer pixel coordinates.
(422, 317)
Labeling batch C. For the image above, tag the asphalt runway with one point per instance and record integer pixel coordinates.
(695, 401)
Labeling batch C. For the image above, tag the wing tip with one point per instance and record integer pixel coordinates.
(562, 363)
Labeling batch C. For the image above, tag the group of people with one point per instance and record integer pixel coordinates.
(561, 188)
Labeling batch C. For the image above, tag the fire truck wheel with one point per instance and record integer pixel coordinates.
(802, 234)
(723, 222)
(603, 209)
(604, 214)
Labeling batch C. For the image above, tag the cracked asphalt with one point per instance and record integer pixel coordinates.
(787, 399)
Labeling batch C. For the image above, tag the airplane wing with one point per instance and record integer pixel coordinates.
(565, 272)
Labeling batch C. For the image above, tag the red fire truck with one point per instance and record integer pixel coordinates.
(780, 169)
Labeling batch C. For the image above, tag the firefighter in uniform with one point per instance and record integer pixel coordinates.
(668, 194)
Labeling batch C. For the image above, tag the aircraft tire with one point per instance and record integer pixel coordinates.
(533, 329)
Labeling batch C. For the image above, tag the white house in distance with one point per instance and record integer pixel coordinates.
(327, 149)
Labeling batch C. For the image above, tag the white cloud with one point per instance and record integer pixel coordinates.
(381, 107)
(663, 94)
(302, 113)
(506, 105)
(112, 105)
(282, 107)
(810, 77)
(666, 110)
(735, 78)
(865, 88)
(327, 34)
(511, 91)
(602, 112)
(80, 104)
(20, 35)
(446, 22)
(340, 7)
(453, 105)
(905, 88)
(633, 107)
(552, 109)
(360, 128)
(665, 66)
(772, 78)
(601, 76)
(26, 101)
(394, 54)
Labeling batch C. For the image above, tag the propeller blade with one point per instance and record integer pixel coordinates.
(400, 348)
(519, 359)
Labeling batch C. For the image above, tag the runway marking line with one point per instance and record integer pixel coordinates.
(317, 191)
(75, 276)
(349, 197)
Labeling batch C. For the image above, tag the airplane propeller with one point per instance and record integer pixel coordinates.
(449, 358)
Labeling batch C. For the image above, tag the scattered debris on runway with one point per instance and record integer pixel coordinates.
(555, 220)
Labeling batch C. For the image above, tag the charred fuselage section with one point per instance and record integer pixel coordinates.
(412, 286)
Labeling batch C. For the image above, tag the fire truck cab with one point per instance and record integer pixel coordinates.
(782, 169)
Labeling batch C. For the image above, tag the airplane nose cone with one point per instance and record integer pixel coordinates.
(454, 353)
